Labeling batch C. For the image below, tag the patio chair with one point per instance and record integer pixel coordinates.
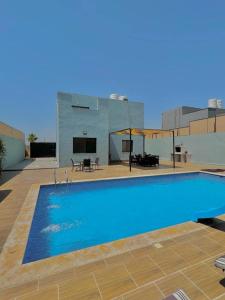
(178, 295)
(95, 163)
(220, 262)
(76, 165)
(133, 159)
(87, 165)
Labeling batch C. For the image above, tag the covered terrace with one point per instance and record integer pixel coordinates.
(146, 133)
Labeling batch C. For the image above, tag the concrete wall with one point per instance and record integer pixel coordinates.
(14, 142)
(205, 148)
(116, 146)
(208, 125)
(177, 117)
(171, 118)
(197, 115)
(103, 116)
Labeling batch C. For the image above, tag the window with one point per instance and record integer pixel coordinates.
(84, 145)
(126, 145)
(78, 106)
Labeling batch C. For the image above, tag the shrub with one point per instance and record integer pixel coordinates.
(2, 154)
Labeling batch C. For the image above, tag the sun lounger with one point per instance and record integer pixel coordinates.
(220, 262)
(178, 295)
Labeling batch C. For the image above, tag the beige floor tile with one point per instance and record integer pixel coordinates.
(150, 292)
(114, 281)
(177, 281)
(140, 252)
(167, 243)
(218, 236)
(168, 260)
(189, 252)
(56, 278)
(222, 297)
(81, 288)
(191, 236)
(9, 293)
(208, 245)
(120, 259)
(50, 293)
(144, 270)
(210, 263)
(91, 267)
(207, 279)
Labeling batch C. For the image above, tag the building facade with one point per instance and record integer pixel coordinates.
(85, 124)
(14, 141)
(199, 136)
(182, 116)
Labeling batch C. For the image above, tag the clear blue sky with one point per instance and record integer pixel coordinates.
(163, 52)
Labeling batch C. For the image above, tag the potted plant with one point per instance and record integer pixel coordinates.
(2, 154)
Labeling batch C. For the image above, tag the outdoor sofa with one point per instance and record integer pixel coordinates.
(146, 160)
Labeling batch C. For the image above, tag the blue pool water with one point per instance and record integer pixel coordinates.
(79, 215)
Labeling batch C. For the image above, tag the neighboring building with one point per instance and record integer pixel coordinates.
(14, 141)
(84, 124)
(182, 116)
(199, 135)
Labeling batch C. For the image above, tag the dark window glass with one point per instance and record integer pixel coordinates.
(84, 145)
(126, 145)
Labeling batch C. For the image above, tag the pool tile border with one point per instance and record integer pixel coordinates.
(13, 272)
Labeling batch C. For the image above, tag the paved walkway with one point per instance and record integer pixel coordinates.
(35, 164)
(150, 272)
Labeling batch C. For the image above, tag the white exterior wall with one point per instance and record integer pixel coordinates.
(205, 148)
(14, 142)
(103, 117)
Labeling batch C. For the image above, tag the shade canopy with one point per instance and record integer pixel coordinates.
(139, 131)
(149, 133)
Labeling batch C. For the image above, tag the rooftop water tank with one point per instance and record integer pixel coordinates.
(123, 98)
(212, 103)
(114, 96)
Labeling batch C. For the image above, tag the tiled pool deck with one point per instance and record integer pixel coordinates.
(147, 266)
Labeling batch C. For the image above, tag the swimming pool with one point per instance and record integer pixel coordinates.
(74, 216)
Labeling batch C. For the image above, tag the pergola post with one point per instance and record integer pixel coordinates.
(130, 150)
(174, 164)
(109, 154)
(143, 144)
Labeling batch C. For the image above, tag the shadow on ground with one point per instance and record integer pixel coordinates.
(138, 167)
(215, 223)
(4, 194)
(7, 175)
(222, 282)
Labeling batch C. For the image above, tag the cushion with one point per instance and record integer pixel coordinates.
(220, 262)
(178, 295)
